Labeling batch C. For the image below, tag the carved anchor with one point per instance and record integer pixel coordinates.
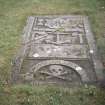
(56, 71)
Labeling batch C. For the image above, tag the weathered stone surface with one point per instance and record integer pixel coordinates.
(58, 50)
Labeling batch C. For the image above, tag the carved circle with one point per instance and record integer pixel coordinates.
(69, 64)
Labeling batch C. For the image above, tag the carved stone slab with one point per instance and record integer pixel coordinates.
(58, 37)
(57, 50)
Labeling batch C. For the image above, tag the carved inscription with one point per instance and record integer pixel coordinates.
(58, 37)
(57, 50)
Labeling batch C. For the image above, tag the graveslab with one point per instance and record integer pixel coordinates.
(57, 50)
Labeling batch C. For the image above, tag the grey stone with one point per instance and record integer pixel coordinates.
(58, 50)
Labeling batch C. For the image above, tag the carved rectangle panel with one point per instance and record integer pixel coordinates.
(66, 51)
(56, 36)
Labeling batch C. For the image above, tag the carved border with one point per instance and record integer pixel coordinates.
(69, 64)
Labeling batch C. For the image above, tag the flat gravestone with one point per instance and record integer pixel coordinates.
(57, 50)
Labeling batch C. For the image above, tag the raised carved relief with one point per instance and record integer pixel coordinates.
(66, 51)
(53, 39)
(53, 73)
(64, 39)
(55, 23)
(57, 38)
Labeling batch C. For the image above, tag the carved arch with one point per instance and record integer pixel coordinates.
(69, 64)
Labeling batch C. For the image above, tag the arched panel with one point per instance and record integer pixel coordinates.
(72, 65)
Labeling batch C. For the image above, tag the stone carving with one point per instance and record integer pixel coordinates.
(58, 37)
(66, 51)
(74, 66)
(59, 41)
(57, 22)
(56, 70)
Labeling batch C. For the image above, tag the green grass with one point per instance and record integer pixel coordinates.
(13, 15)
(49, 95)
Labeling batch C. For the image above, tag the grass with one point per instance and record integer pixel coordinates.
(49, 95)
(13, 15)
